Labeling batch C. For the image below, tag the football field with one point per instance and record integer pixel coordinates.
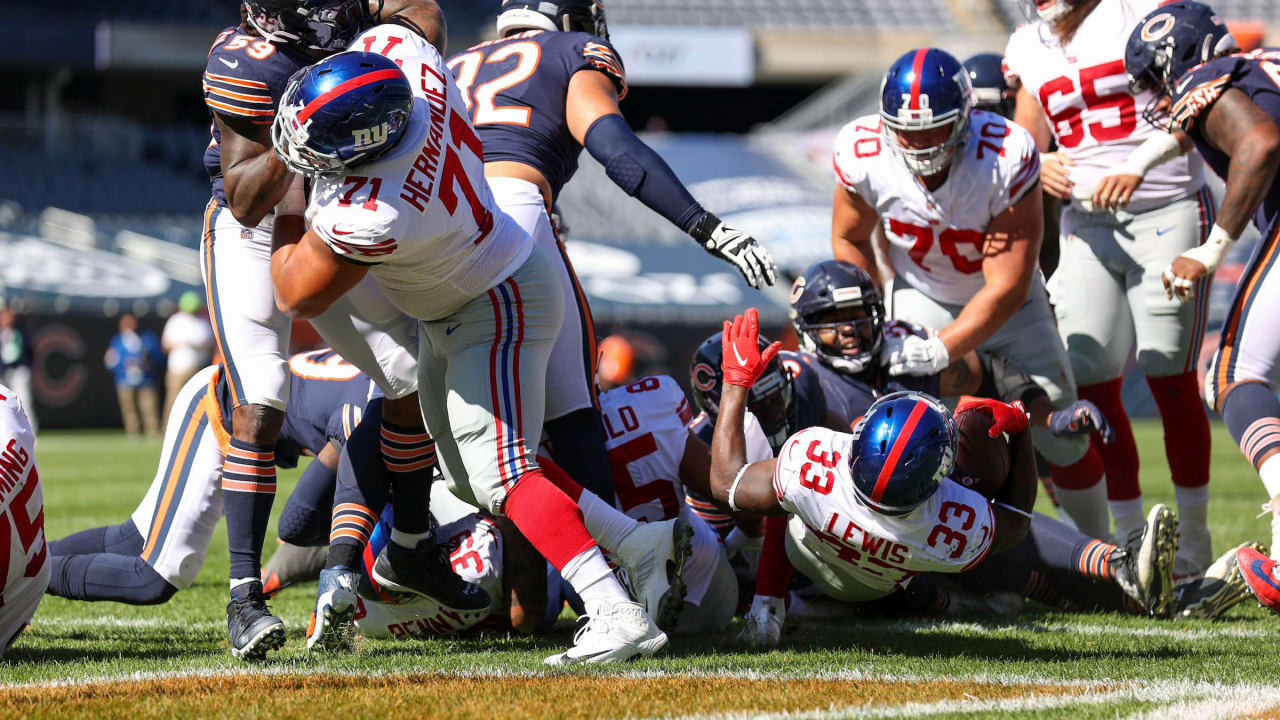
(105, 659)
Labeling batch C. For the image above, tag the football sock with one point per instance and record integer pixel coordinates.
(248, 489)
(592, 578)
(362, 492)
(410, 456)
(1252, 414)
(304, 521)
(775, 571)
(1195, 544)
(1128, 517)
(719, 520)
(607, 524)
(577, 445)
(1083, 494)
(349, 534)
(107, 576)
(1121, 456)
(1269, 472)
(122, 539)
(1061, 547)
(1186, 428)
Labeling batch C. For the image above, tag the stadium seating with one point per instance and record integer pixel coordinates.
(1265, 10)
(798, 14)
(205, 12)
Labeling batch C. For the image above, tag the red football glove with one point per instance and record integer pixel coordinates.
(1010, 419)
(741, 359)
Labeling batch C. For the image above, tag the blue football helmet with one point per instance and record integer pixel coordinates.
(1170, 41)
(347, 109)
(770, 399)
(323, 25)
(568, 15)
(903, 448)
(990, 90)
(841, 301)
(926, 92)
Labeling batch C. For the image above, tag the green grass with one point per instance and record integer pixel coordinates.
(98, 478)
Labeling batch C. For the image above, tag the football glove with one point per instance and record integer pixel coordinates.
(914, 355)
(1080, 418)
(743, 362)
(762, 625)
(736, 247)
(1009, 418)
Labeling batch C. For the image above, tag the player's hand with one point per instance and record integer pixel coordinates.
(1115, 190)
(1080, 418)
(736, 247)
(1009, 417)
(762, 625)
(919, 356)
(1180, 277)
(1055, 174)
(742, 360)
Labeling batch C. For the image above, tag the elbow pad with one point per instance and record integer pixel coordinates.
(1005, 380)
(639, 171)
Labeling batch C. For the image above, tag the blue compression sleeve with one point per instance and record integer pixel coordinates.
(640, 171)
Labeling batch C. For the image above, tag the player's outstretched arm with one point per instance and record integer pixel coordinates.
(591, 110)
(254, 179)
(853, 224)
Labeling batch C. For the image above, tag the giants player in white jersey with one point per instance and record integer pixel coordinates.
(1117, 237)
(399, 193)
(870, 509)
(954, 191)
(24, 570)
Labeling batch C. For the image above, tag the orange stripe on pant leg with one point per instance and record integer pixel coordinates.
(171, 483)
(1229, 335)
(211, 300)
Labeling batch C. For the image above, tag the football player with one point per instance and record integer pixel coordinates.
(246, 72)
(1114, 243)
(24, 570)
(954, 190)
(545, 89)
(1227, 105)
(399, 195)
(160, 549)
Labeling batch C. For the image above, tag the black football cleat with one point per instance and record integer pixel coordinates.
(426, 572)
(253, 630)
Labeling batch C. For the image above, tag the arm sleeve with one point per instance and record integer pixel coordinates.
(641, 172)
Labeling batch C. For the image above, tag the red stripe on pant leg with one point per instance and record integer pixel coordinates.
(518, 436)
(1186, 428)
(494, 381)
(775, 567)
(1120, 458)
(548, 519)
(560, 478)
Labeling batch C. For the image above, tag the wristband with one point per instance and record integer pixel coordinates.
(1157, 150)
(1213, 251)
(733, 489)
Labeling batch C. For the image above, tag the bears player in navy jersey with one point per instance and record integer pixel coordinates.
(547, 87)
(1226, 104)
(246, 73)
(160, 549)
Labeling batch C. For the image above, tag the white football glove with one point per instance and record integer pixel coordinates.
(918, 356)
(736, 247)
(762, 625)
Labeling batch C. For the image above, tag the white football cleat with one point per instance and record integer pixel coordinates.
(762, 625)
(654, 555)
(330, 627)
(1155, 561)
(613, 633)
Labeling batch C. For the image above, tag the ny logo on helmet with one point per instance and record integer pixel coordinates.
(370, 137)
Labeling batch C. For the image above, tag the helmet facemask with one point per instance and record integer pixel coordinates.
(770, 401)
(1031, 10)
(323, 26)
(925, 142)
(848, 339)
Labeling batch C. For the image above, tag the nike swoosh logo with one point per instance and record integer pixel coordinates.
(1259, 570)
(449, 330)
(1183, 85)
(1161, 232)
(232, 65)
(741, 360)
(336, 231)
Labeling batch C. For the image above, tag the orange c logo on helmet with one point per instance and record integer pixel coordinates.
(1157, 27)
(797, 289)
(704, 377)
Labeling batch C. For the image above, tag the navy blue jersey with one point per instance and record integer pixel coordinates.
(244, 77)
(515, 89)
(1257, 75)
(327, 396)
(808, 400)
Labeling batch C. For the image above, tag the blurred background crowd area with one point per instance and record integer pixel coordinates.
(103, 125)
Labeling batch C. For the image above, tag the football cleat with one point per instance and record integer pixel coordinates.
(614, 633)
(1145, 573)
(1221, 588)
(1262, 575)
(654, 555)
(253, 630)
(292, 564)
(330, 626)
(762, 624)
(427, 573)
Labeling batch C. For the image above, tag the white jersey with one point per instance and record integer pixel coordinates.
(24, 572)
(936, 238)
(475, 553)
(645, 427)
(950, 532)
(1083, 90)
(422, 215)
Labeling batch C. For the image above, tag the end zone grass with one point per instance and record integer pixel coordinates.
(104, 659)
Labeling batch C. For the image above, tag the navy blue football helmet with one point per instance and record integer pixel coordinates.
(1170, 41)
(990, 90)
(347, 109)
(925, 101)
(903, 448)
(840, 301)
(323, 25)
(567, 15)
(770, 400)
